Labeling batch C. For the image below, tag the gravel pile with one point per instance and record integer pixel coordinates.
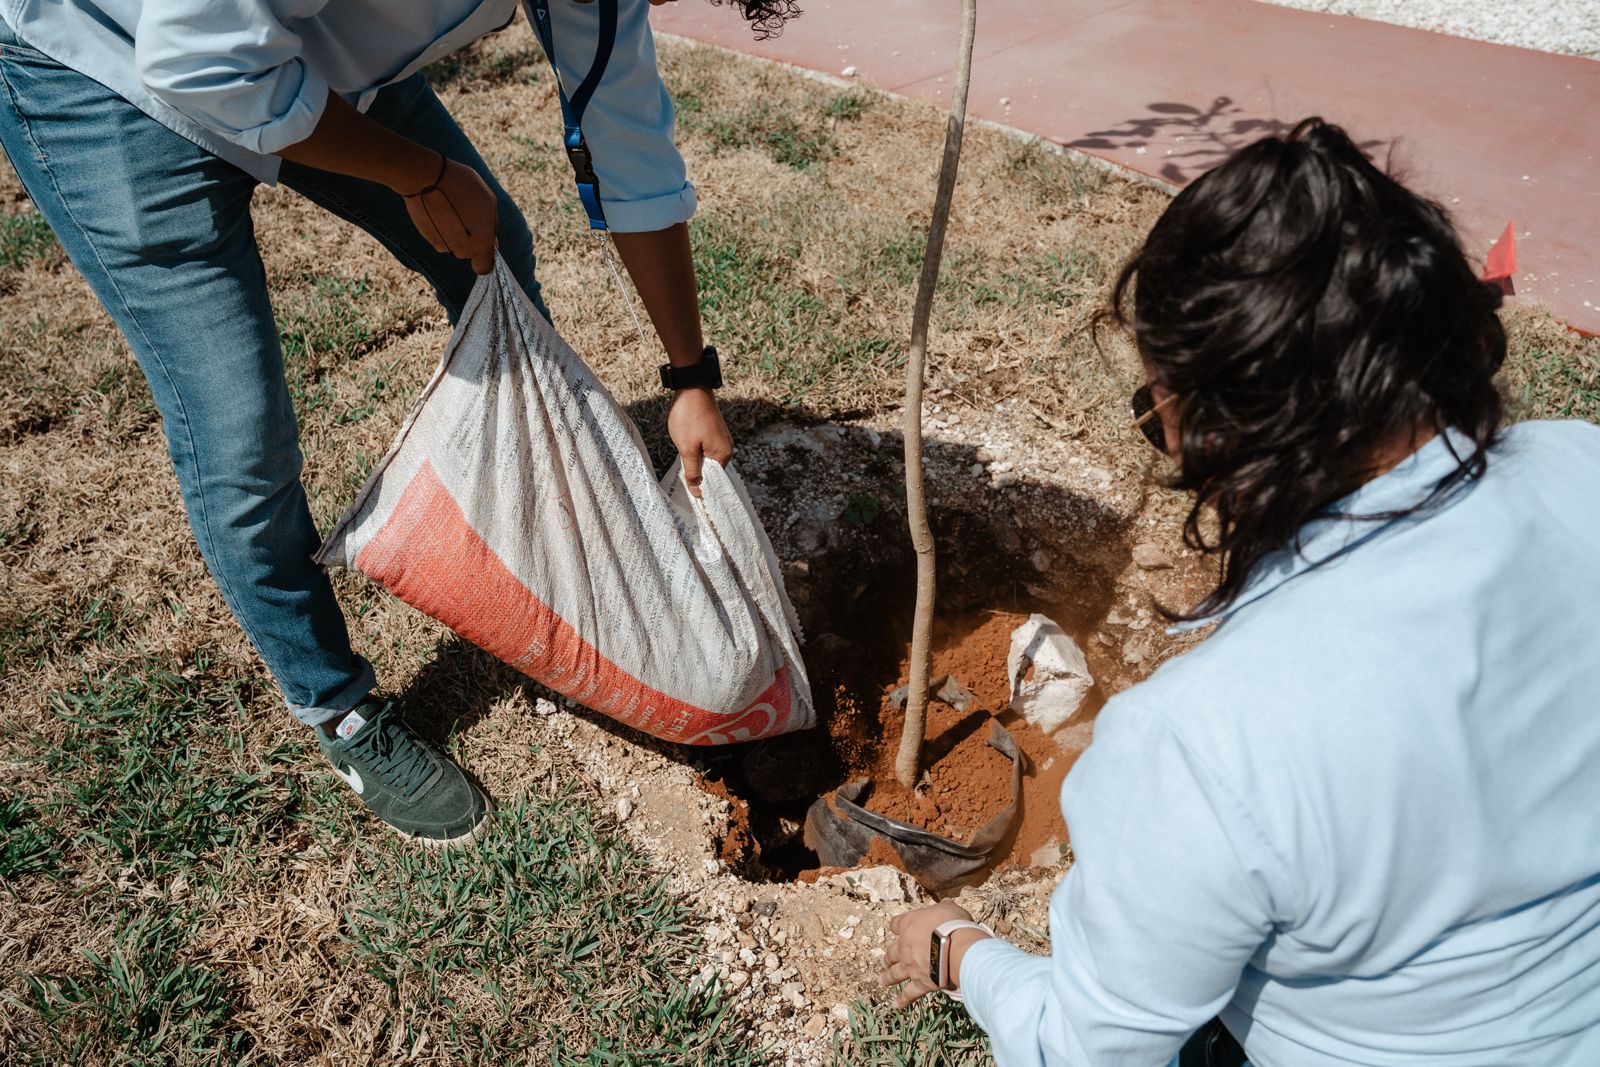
(1571, 27)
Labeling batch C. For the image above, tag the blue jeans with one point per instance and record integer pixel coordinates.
(162, 231)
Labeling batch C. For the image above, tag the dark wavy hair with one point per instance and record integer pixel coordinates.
(766, 17)
(1307, 309)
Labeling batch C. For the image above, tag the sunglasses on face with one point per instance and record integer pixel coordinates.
(1145, 411)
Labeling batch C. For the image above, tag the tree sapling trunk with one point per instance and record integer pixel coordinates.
(908, 760)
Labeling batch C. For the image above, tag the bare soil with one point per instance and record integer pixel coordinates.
(966, 781)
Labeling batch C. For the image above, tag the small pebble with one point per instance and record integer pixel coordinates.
(1148, 556)
(848, 72)
(624, 809)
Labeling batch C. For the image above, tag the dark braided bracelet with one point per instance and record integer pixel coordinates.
(444, 164)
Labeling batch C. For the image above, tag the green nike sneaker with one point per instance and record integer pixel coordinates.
(409, 784)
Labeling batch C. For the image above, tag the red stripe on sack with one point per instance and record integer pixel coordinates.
(428, 555)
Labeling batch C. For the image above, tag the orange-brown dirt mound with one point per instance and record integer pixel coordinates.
(965, 781)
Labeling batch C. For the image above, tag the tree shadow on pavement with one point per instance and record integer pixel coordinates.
(1195, 139)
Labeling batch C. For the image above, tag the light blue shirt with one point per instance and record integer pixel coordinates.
(247, 78)
(1362, 820)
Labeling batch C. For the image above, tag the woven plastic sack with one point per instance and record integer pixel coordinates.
(519, 507)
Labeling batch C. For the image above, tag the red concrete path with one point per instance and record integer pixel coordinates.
(1168, 87)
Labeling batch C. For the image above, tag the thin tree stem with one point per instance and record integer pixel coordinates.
(908, 760)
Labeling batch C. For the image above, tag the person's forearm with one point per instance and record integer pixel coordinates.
(662, 269)
(348, 142)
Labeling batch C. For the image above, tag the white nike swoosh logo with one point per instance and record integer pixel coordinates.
(352, 778)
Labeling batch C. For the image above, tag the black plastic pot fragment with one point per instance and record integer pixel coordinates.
(841, 831)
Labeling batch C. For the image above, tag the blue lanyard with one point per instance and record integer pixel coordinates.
(572, 108)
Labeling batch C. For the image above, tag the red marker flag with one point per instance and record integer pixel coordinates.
(1501, 263)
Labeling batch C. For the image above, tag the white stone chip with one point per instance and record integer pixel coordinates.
(1052, 696)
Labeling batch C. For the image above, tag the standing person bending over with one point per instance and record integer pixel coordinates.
(1361, 822)
(140, 131)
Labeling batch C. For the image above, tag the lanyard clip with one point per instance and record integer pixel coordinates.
(583, 170)
(578, 155)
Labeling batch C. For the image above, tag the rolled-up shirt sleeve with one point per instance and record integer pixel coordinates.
(233, 66)
(629, 123)
(1169, 898)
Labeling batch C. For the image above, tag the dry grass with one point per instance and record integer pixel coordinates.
(183, 884)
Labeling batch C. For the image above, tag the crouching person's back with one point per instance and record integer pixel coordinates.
(1359, 824)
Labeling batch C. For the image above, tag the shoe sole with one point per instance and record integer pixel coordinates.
(444, 842)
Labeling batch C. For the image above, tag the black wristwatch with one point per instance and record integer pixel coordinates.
(707, 374)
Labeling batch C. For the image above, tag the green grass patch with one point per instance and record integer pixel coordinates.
(374, 391)
(144, 1002)
(1547, 383)
(794, 138)
(67, 626)
(24, 238)
(549, 936)
(533, 154)
(847, 106)
(26, 846)
(934, 1032)
(969, 280)
(150, 769)
(1050, 279)
(1050, 176)
(752, 300)
(333, 322)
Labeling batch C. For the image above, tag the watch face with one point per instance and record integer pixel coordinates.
(935, 953)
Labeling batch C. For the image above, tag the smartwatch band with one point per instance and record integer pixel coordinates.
(939, 954)
(706, 374)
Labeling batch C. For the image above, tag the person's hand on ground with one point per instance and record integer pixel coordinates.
(695, 424)
(458, 214)
(907, 960)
